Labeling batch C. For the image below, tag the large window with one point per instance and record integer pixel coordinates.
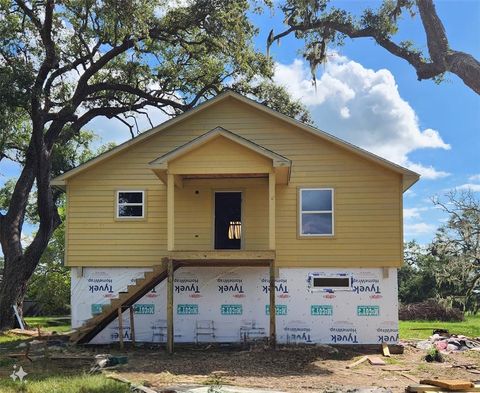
(316, 212)
(130, 204)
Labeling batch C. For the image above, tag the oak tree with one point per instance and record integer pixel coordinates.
(65, 62)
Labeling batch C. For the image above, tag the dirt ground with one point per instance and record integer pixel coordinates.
(297, 369)
(290, 369)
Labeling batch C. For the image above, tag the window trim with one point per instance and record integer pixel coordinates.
(301, 212)
(117, 205)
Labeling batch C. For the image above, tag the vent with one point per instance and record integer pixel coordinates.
(329, 282)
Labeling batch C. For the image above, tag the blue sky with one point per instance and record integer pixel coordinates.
(448, 156)
(371, 98)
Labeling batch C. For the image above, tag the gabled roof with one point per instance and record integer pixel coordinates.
(277, 159)
(409, 177)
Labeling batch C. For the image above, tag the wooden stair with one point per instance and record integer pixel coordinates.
(127, 299)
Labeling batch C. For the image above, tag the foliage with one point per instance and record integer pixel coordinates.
(448, 270)
(49, 286)
(456, 249)
(417, 272)
(434, 355)
(321, 24)
(215, 383)
(429, 310)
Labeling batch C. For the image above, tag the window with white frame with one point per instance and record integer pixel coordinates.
(316, 212)
(130, 204)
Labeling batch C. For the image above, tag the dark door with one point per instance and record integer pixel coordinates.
(228, 220)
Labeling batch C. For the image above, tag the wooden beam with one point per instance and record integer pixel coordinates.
(273, 335)
(132, 325)
(178, 180)
(170, 212)
(233, 255)
(120, 326)
(221, 263)
(170, 330)
(271, 211)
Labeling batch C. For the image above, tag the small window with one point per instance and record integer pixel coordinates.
(316, 212)
(130, 204)
(329, 282)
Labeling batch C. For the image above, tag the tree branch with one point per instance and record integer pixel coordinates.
(443, 59)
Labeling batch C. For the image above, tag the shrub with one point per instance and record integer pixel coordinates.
(429, 310)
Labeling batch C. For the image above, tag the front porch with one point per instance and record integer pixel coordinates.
(221, 162)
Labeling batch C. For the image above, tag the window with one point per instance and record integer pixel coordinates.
(130, 204)
(329, 282)
(316, 212)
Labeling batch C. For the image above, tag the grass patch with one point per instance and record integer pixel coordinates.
(423, 329)
(64, 384)
(58, 324)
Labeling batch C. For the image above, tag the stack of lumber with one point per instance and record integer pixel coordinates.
(444, 385)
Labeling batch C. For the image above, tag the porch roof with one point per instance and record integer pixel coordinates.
(272, 162)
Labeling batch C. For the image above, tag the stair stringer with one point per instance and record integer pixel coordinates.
(142, 286)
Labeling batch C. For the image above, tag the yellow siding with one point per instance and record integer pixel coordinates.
(368, 226)
(220, 153)
(194, 212)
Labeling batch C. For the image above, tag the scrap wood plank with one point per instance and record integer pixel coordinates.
(385, 350)
(376, 361)
(457, 384)
(141, 388)
(422, 388)
(410, 377)
(357, 362)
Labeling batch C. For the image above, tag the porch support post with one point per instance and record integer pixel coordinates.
(120, 326)
(273, 334)
(170, 338)
(132, 326)
(271, 211)
(170, 212)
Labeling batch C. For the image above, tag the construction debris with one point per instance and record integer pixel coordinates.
(446, 342)
(443, 386)
(357, 362)
(106, 360)
(134, 387)
(376, 361)
(385, 350)
(451, 384)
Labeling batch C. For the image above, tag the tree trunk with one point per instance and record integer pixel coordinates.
(12, 291)
(20, 264)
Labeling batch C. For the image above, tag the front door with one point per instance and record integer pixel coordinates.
(228, 220)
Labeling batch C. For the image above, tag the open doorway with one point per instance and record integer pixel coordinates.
(228, 220)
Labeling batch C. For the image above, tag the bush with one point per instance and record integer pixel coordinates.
(429, 310)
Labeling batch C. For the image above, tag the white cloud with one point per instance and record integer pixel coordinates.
(419, 228)
(413, 212)
(364, 107)
(469, 186)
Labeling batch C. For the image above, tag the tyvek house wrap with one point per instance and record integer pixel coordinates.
(228, 304)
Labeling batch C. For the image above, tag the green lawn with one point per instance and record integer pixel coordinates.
(58, 324)
(64, 384)
(423, 329)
